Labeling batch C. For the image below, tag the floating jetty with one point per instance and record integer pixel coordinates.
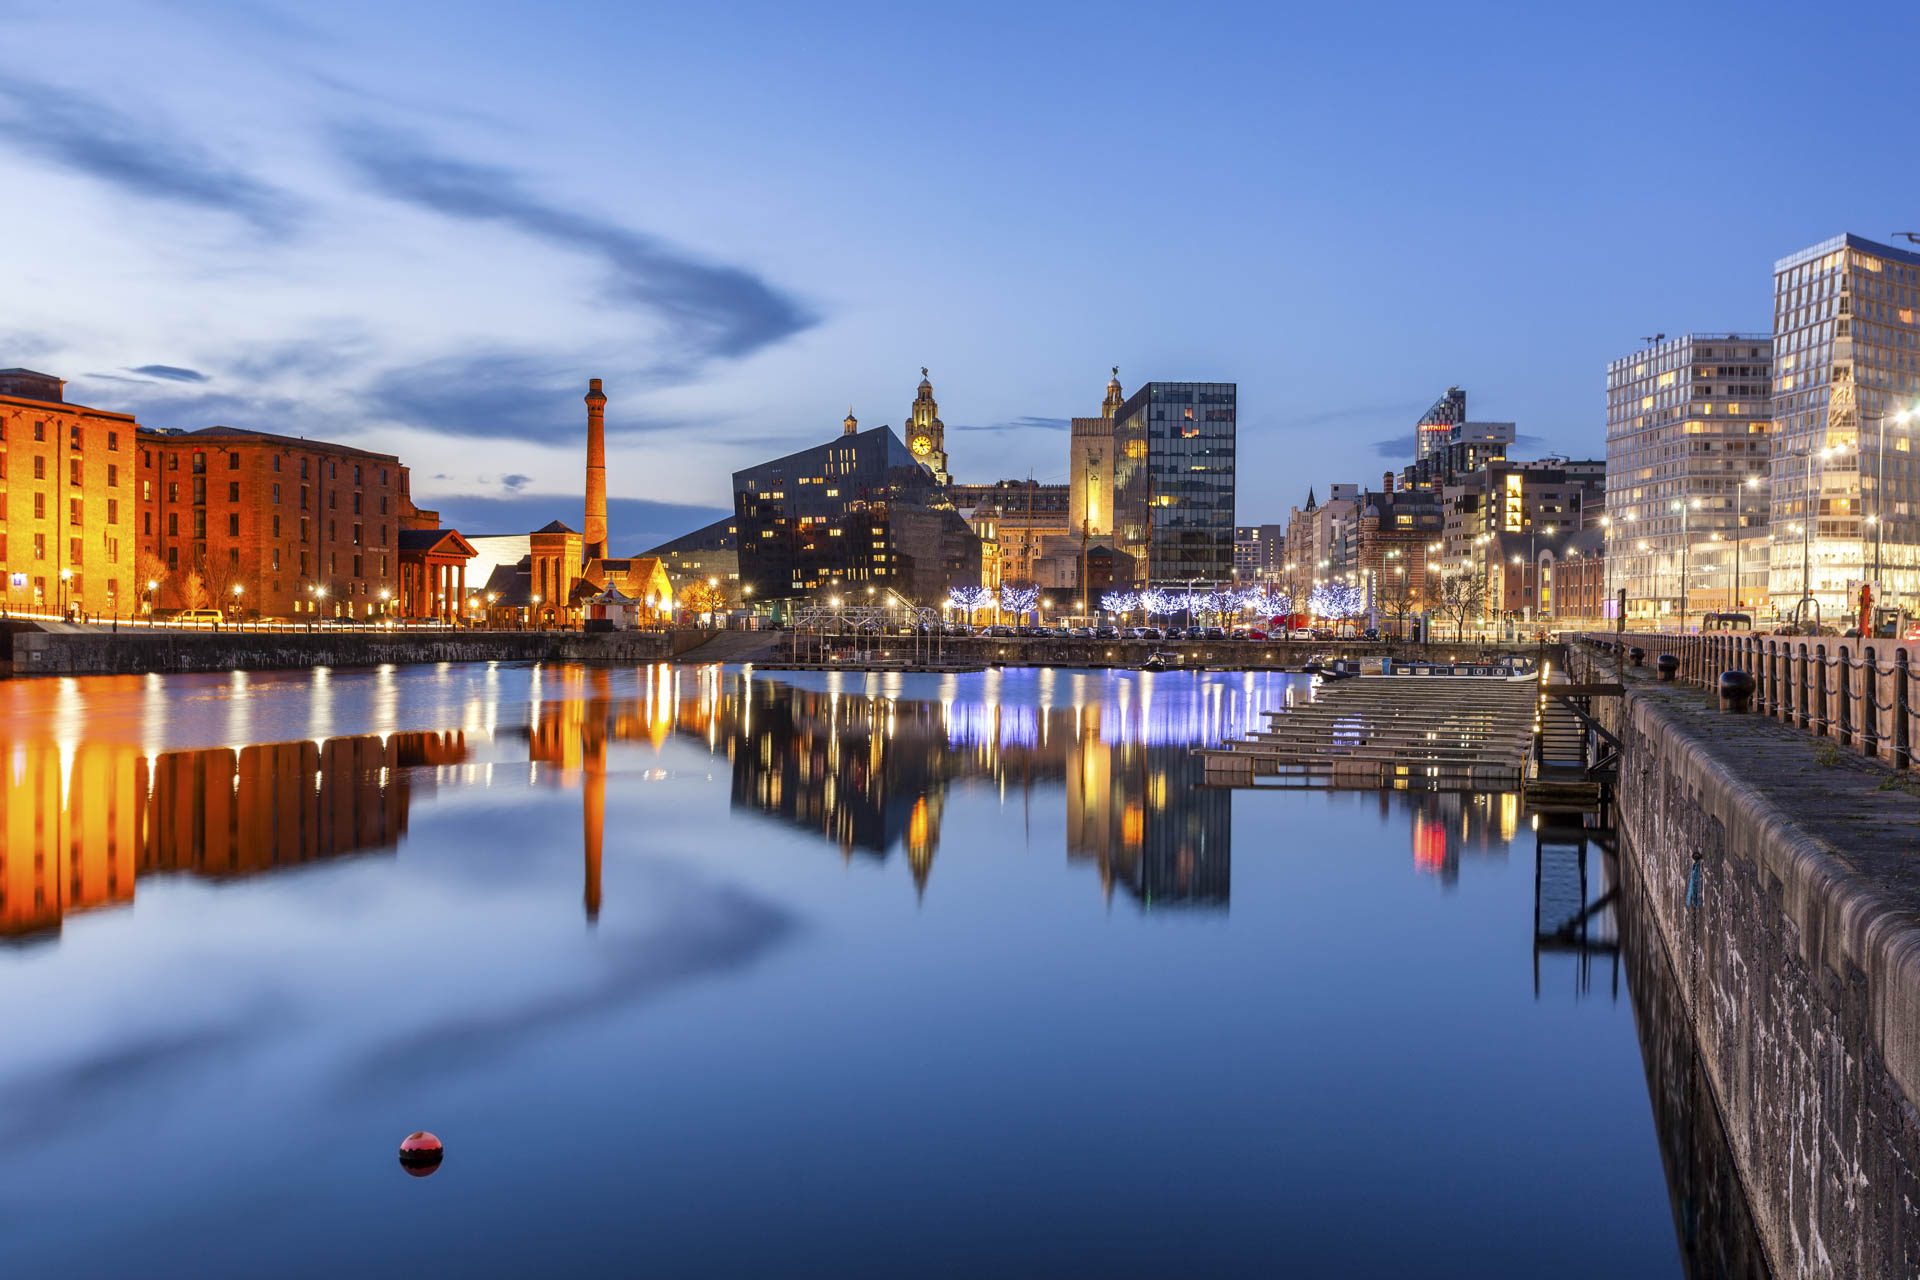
(1467, 731)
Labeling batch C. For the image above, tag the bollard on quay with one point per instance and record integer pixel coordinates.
(1736, 692)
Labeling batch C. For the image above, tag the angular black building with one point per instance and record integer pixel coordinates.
(859, 509)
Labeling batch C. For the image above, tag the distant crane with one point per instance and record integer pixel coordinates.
(1658, 337)
(1912, 236)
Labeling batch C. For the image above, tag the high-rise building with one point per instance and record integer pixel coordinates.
(1845, 494)
(860, 508)
(1173, 481)
(926, 434)
(1437, 423)
(1689, 440)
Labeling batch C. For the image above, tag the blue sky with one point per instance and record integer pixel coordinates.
(421, 228)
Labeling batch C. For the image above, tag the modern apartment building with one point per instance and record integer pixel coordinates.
(1173, 481)
(1438, 422)
(1689, 444)
(1845, 493)
(1259, 551)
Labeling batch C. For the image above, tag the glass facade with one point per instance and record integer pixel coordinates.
(1689, 422)
(1846, 488)
(1173, 481)
(858, 509)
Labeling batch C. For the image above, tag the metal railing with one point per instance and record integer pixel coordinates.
(1857, 691)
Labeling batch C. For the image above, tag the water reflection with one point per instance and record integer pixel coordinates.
(866, 769)
(82, 822)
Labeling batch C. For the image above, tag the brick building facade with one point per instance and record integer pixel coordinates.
(68, 500)
(260, 524)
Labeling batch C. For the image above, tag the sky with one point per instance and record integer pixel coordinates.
(420, 228)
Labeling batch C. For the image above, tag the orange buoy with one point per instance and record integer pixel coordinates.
(420, 1153)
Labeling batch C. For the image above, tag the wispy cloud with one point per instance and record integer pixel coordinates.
(715, 310)
(1394, 446)
(515, 482)
(82, 133)
(170, 372)
(507, 395)
(1017, 424)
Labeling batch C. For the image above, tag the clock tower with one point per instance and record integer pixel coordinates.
(926, 434)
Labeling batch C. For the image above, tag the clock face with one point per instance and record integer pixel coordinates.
(921, 445)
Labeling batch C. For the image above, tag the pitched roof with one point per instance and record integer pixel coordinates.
(554, 526)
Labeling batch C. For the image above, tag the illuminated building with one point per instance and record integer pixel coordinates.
(709, 552)
(859, 508)
(1525, 510)
(926, 434)
(1090, 462)
(1259, 552)
(259, 524)
(1689, 424)
(1396, 528)
(1173, 481)
(1846, 325)
(69, 501)
(1437, 423)
(1021, 518)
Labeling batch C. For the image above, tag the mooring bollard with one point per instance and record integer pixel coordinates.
(1668, 664)
(1637, 656)
(1736, 691)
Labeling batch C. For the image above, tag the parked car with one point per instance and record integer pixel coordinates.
(1255, 633)
(1106, 633)
(198, 617)
(1216, 633)
(1194, 633)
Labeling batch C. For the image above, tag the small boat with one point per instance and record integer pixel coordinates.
(1161, 660)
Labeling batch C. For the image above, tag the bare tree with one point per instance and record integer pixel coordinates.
(1462, 595)
(1399, 599)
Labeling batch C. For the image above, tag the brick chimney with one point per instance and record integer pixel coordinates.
(1386, 482)
(595, 536)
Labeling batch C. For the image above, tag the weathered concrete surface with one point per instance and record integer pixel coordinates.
(137, 652)
(1799, 966)
(1712, 1218)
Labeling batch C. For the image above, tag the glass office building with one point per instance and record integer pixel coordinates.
(1173, 481)
(1846, 484)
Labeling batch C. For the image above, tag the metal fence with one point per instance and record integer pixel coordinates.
(1858, 692)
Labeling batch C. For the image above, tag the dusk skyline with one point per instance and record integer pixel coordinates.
(744, 225)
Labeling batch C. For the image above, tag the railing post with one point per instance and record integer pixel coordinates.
(1846, 697)
(1902, 728)
(1822, 695)
(1869, 701)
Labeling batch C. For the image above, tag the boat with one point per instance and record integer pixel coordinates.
(1161, 660)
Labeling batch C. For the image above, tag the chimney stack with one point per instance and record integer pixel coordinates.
(596, 530)
(1386, 482)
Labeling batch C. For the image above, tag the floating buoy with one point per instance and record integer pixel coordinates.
(420, 1153)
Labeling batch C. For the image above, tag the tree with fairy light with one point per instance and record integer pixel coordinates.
(1019, 600)
(969, 600)
(1120, 603)
(1336, 602)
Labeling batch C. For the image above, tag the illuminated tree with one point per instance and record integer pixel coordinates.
(1158, 604)
(1120, 602)
(1019, 600)
(1336, 601)
(969, 600)
(703, 599)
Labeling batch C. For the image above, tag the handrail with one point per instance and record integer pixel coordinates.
(1857, 691)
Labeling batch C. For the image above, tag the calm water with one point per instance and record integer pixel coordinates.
(699, 973)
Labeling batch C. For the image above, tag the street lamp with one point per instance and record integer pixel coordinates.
(66, 576)
(153, 589)
(1686, 548)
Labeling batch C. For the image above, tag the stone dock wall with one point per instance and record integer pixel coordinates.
(1782, 878)
(35, 652)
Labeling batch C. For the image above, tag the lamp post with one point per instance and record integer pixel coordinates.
(153, 590)
(66, 576)
(1686, 549)
(239, 589)
(535, 611)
